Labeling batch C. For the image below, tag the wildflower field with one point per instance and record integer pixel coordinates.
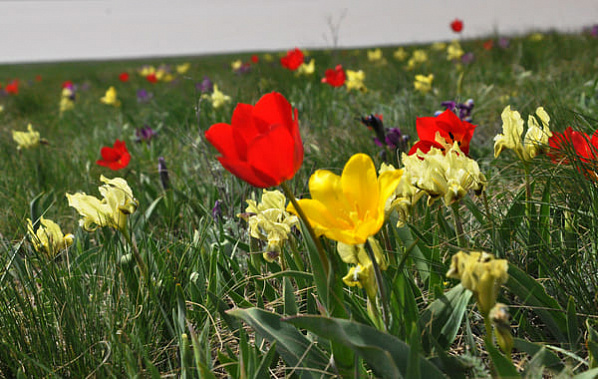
(416, 211)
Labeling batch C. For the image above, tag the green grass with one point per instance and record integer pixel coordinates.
(91, 313)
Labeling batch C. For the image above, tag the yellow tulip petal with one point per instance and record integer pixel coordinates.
(325, 187)
(360, 185)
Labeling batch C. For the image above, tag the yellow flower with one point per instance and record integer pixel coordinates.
(28, 139)
(236, 65)
(423, 83)
(183, 68)
(404, 198)
(66, 100)
(349, 208)
(355, 80)
(536, 37)
(307, 68)
(438, 46)
(536, 137)
(110, 98)
(480, 273)
(454, 51)
(147, 70)
(1, 108)
(268, 57)
(400, 54)
(362, 276)
(449, 175)
(419, 56)
(217, 98)
(269, 221)
(48, 239)
(375, 56)
(112, 210)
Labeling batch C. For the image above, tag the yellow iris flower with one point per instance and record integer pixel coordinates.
(217, 98)
(110, 98)
(307, 68)
(400, 54)
(349, 208)
(269, 221)
(112, 210)
(454, 51)
(236, 65)
(355, 80)
(48, 239)
(423, 83)
(28, 139)
(536, 137)
(183, 68)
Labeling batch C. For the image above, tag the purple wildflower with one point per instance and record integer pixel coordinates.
(144, 133)
(391, 137)
(143, 96)
(217, 211)
(205, 86)
(463, 110)
(504, 42)
(594, 31)
(467, 58)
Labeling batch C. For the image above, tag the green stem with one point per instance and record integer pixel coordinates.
(289, 194)
(458, 225)
(136, 255)
(380, 283)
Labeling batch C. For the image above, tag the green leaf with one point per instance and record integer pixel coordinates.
(534, 296)
(290, 303)
(503, 366)
(386, 355)
(590, 374)
(296, 350)
(572, 325)
(549, 359)
(442, 319)
(592, 343)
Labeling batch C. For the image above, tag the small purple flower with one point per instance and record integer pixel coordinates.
(244, 69)
(163, 171)
(467, 58)
(374, 122)
(143, 96)
(205, 86)
(594, 31)
(144, 133)
(504, 42)
(217, 211)
(463, 110)
(391, 137)
(395, 139)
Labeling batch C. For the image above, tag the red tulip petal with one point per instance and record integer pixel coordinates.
(245, 172)
(273, 155)
(424, 146)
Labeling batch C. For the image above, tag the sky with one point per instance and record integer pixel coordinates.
(58, 30)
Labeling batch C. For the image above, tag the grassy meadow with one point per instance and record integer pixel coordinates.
(183, 289)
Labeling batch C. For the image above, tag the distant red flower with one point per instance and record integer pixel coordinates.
(488, 45)
(293, 59)
(12, 87)
(450, 127)
(152, 78)
(67, 84)
(38, 78)
(123, 77)
(262, 144)
(457, 25)
(335, 77)
(255, 59)
(115, 157)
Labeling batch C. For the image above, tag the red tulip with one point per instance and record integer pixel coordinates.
(457, 25)
(124, 77)
(115, 157)
(12, 87)
(488, 45)
(293, 59)
(262, 145)
(152, 78)
(449, 126)
(255, 59)
(572, 141)
(67, 84)
(335, 77)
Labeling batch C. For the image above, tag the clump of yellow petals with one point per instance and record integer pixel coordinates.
(482, 274)
(376, 56)
(447, 175)
(536, 137)
(400, 54)
(454, 51)
(164, 75)
(217, 98)
(362, 273)
(66, 100)
(423, 83)
(147, 70)
(349, 208)
(111, 97)
(438, 46)
(269, 221)
(406, 195)
(48, 239)
(307, 68)
(419, 56)
(355, 80)
(183, 68)
(236, 65)
(29, 139)
(112, 211)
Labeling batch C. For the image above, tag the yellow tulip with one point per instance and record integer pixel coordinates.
(536, 137)
(355, 80)
(111, 211)
(48, 239)
(28, 139)
(423, 83)
(183, 68)
(349, 208)
(307, 68)
(110, 98)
